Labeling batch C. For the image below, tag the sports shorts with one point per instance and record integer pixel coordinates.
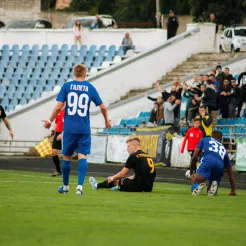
(130, 185)
(79, 143)
(56, 144)
(211, 169)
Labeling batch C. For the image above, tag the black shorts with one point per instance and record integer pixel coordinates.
(130, 185)
(191, 152)
(56, 144)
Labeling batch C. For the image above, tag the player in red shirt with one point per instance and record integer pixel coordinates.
(193, 135)
(57, 143)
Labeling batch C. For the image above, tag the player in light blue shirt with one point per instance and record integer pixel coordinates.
(77, 95)
(213, 162)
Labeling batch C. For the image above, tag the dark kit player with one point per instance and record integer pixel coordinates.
(142, 165)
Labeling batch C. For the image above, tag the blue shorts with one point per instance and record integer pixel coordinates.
(211, 169)
(79, 143)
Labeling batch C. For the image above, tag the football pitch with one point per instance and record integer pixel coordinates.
(33, 213)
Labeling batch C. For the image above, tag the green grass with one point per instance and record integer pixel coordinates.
(33, 213)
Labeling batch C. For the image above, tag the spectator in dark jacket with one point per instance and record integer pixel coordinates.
(225, 99)
(234, 98)
(242, 99)
(172, 25)
(153, 112)
(242, 78)
(220, 76)
(227, 74)
(209, 97)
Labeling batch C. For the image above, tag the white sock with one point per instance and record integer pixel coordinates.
(79, 187)
(65, 187)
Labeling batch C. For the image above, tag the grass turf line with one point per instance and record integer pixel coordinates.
(33, 213)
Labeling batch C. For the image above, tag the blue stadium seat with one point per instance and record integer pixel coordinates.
(20, 88)
(50, 64)
(59, 64)
(51, 83)
(56, 70)
(35, 50)
(29, 88)
(14, 82)
(52, 59)
(10, 70)
(60, 82)
(24, 81)
(14, 102)
(54, 50)
(47, 70)
(2, 93)
(9, 94)
(10, 107)
(83, 50)
(5, 57)
(65, 70)
(88, 64)
(45, 50)
(5, 81)
(96, 64)
(92, 50)
(19, 70)
(44, 76)
(48, 88)
(13, 63)
(8, 75)
(25, 48)
(18, 95)
(70, 59)
(26, 75)
(35, 95)
(22, 64)
(63, 76)
(2, 88)
(27, 95)
(112, 50)
(62, 58)
(89, 58)
(5, 101)
(53, 76)
(37, 70)
(64, 50)
(42, 82)
(34, 58)
(108, 58)
(3, 64)
(39, 88)
(99, 58)
(23, 101)
(79, 60)
(11, 88)
(43, 58)
(40, 64)
(102, 50)
(35, 76)
(74, 50)
(5, 49)
(33, 82)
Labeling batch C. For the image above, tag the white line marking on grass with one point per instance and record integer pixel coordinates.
(32, 182)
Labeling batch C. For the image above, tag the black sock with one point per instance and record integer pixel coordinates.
(56, 160)
(105, 184)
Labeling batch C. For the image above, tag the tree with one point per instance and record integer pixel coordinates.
(106, 7)
(227, 12)
(48, 4)
(79, 5)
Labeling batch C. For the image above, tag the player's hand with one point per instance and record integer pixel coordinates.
(11, 134)
(233, 193)
(47, 124)
(59, 137)
(52, 133)
(109, 179)
(108, 124)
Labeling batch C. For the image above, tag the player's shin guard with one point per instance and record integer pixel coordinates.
(66, 166)
(82, 169)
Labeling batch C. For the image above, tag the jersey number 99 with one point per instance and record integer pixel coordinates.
(77, 104)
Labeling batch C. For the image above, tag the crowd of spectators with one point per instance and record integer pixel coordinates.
(217, 91)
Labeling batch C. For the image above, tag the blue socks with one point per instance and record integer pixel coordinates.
(82, 169)
(194, 186)
(66, 166)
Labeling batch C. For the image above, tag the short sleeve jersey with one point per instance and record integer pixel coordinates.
(78, 96)
(2, 112)
(213, 149)
(143, 167)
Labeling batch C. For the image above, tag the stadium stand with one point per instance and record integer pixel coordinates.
(26, 72)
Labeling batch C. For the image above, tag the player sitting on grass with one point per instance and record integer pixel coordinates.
(214, 160)
(142, 165)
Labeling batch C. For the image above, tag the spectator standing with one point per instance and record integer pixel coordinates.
(215, 83)
(213, 20)
(127, 42)
(172, 25)
(242, 98)
(77, 32)
(153, 112)
(209, 98)
(220, 75)
(227, 74)
(234, 98)
(97, 23)
(225, 99)
(169, 109)
(206, 121)
(3, 116)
